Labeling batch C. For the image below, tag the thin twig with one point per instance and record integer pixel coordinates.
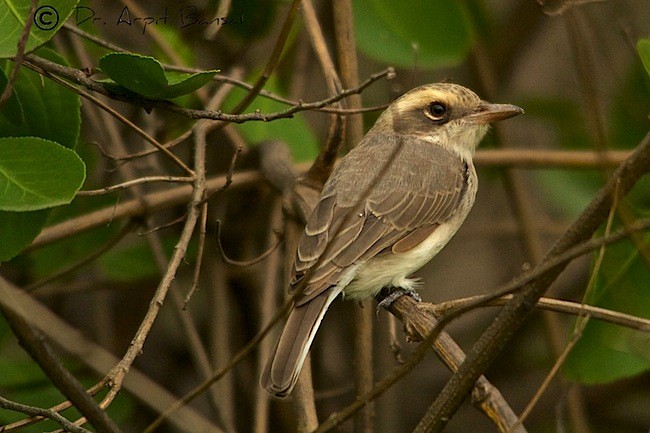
(80, 78)
(548, 265)
(43, 354)
(99, 41)
(42, 413)
(243, 264)
(236, 359)
(199, 189)
(134, 208)
(184, 136)
(22, 43)
(556, 305)
(513, 315)
(133, 182)
(539, 272)
(87, 259)
(93, 390)
(581, 323)
(115, 114)
(541, 158)
(163, 226)
(199, 255)
(273, 61)
(229, 175)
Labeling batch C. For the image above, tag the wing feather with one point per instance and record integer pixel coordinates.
(400, 211)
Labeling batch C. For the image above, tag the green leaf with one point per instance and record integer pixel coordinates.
(608, 352)
(37, 174)
(12, 111)
(18, 230)
(49, 110)
(643, 47)
(295, 131)
(47, 21)
(40, 108)
(145, 76)
(422, 33)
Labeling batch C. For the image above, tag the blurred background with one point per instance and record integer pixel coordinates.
(575, 68)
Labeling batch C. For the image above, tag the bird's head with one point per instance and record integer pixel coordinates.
(446, 114)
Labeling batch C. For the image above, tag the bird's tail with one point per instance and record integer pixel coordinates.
(284, 365)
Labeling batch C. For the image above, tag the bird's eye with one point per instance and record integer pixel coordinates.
(436, 111)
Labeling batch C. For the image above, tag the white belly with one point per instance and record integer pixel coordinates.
(392, 270)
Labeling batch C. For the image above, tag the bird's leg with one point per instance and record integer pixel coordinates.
(388, 295)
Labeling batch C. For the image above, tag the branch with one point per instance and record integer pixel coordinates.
(273, 60)
(556, 305)
(100, 360)
(42, 413)
(420, 320)
(134, 208)
(134, 182)
(20, 54)
(539, 158)
(181, 194)
(513, 315)
(426, 315)
(223, 78)
(34, 343)
(81, 78)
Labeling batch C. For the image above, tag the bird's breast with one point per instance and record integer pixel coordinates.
(392, 270)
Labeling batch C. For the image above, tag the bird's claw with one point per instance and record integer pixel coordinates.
(396, 293)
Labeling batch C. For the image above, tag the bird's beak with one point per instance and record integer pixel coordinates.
(489, 113)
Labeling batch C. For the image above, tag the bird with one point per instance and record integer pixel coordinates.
(389, 206)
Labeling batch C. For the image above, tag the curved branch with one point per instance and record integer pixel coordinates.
(133, 182)
(558, 306)
(423, 321)
(81, 78)
(43, 354)
(513, 315)
(42, 413)
(243, 264)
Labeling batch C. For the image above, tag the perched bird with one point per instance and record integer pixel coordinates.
(389, 207)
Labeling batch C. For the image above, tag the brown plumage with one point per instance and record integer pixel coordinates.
(390, 205)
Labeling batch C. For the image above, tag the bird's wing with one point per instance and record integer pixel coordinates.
(381, 211)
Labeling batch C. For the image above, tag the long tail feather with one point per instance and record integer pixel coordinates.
(285, 363)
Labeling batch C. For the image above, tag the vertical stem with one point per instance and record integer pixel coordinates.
(363, 320)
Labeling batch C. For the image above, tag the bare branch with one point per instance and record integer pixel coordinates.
(243, 264)
(43, 354)
(130, 183)
(22, 43)
(513, 315)
(539, 158)
(82, 79)
(556, 305)
(42, 413)
(199, 255)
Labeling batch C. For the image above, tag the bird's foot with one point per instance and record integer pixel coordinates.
(391, 294)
